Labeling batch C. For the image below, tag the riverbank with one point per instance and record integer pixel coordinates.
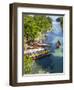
(37, 53)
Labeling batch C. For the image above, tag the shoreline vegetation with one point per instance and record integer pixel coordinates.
(35, 27)
(61, 21)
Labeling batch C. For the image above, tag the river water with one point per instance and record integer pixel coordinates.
(54, 62)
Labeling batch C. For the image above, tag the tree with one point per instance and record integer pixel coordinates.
(33, 24)
(60, 19)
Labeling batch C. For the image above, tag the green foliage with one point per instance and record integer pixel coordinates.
(35, 24)
(27, 64)
(61, 20)
(42, 22)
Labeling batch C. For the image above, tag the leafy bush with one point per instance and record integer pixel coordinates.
(34, 25)
(28, 64)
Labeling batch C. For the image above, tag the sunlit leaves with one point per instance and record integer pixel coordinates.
(35, 24)
(27, 64)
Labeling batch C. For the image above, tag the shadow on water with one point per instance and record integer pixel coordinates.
(51, 64)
